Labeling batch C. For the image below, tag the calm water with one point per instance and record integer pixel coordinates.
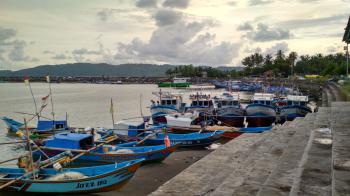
(86, 105)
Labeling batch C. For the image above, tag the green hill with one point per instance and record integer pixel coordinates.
(87, 69)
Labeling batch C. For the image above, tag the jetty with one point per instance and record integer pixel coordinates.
(307, 156)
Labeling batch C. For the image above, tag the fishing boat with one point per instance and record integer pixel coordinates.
(228, 111)
(77, 143)
(167, 103)
(43, 126)
(201, 105)
(296, 107)
(70, 180)
(254, 129)
(34, 177)
(177, 83)
(185, 140)
(184, 124)
(262, 112)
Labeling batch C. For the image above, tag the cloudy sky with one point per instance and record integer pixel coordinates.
(210, 32)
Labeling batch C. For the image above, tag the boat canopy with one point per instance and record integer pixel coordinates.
(297, 98)
(70, 141)
(45, 125)
(130, 128)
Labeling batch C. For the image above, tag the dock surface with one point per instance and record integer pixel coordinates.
(308, 156)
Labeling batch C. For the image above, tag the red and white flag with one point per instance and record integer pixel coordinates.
(26, 80)
(45, 98)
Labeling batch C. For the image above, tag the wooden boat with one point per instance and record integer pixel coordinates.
(86, 179)
(254, 129)
(228, 110)
(296, 107)
(229, 132)
(177, 83)
(13, 126)
(167, 103)
(77, 143)
(185, 140)
(261, 113)
(43, 126)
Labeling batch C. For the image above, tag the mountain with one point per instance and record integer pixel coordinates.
(102, 69)
(87, 69)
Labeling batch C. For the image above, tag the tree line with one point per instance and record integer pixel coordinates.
(279, 65)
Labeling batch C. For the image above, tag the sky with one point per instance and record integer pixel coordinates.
(199, 32)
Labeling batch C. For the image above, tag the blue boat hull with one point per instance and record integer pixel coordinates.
(97, 180)
(289, 113)
(255, 129)
(202, 141)
(148, 156)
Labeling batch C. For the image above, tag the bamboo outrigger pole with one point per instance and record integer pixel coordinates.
(51, 98)
(26, 81)
(112, 112)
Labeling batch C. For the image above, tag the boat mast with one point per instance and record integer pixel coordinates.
(51, 98)
(112, 111)
(26, 81)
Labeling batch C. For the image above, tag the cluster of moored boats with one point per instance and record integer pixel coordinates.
(228, 109)
(206, 118)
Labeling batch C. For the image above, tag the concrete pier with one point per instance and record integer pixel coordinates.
(308, 156)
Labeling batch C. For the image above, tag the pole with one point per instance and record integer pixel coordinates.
(29, 147)
(141, 105)
(112, 112)
(51, 98)
(36, 108)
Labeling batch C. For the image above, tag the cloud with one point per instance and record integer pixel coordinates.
(167, 17)
(252, 50)
(232, 3)
(245, 27)
(309, 1)
(147, 3)
(278, 46)
(180, 41)
(264, 33)
(259, 2)
(85, 51)
(5, 34)
(104, 14)
(48, 52)
(182, 4)
(17, 52)
(312, 22)
(61, 57)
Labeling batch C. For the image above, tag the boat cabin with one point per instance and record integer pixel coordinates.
(169, 99)
(226, 100)
(202, 103)
(263, 98)
(48, 125)
(297, 100)
(70, 141)
(180, 80)
(129, 128)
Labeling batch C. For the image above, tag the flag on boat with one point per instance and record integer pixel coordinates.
(44, 101)
(45, 98)
(47, 78)
(167, 141)
(26, 80)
